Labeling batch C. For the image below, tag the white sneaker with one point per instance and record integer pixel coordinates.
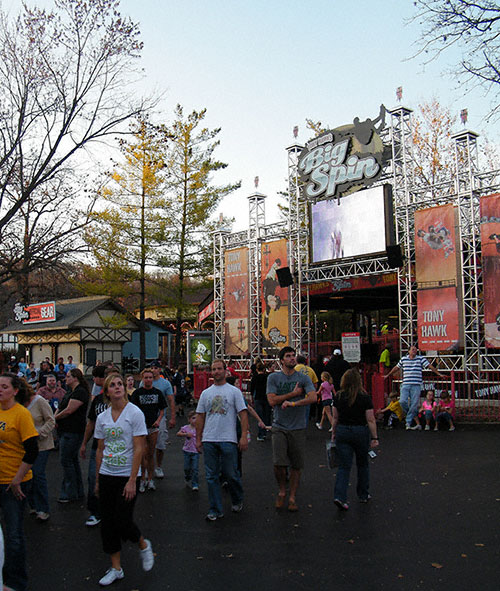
(195, 487)
(238, 508)
(319, 426)
(408, 427)
(151, 485)
(92, 520)
(142, 486)
(427, 428)
(159, 473)
(42, 516)
(111, 576)
(147, 557)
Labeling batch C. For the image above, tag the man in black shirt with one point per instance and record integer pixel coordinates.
(336, 367)
(152, 403)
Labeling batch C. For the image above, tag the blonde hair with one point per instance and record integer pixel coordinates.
(107, 382)
(326, 377)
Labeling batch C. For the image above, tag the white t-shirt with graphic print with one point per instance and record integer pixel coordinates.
(119, 439)
(221, 405)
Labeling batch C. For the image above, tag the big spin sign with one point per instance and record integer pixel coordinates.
(344, 160)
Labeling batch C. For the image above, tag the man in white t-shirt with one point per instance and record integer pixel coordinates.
(218, 409)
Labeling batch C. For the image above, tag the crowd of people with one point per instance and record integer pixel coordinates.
(128, 424)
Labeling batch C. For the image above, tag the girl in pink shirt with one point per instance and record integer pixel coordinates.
(427, 411)
(326, 391)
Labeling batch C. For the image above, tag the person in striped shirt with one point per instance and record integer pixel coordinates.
(412, 366)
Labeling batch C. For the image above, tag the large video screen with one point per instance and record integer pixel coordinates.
(356, 226)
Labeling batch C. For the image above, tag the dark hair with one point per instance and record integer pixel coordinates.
(191, 413)
(284, 351)
(77, 373)
(351, 385)
(24, 390)
(301, 359)
(259, 366)
(98, 371)
(110, 370)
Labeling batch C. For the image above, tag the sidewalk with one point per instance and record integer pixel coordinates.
(432, 524)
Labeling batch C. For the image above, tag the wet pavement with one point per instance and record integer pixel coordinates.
(433, 523)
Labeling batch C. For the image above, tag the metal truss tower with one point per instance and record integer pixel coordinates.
(467, 199)
(219, 238)
(257, 222)
(402, 180)
(298, 254)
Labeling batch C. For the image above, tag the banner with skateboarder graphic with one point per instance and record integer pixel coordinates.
(236, 301)
(274, 299)
(490, 244)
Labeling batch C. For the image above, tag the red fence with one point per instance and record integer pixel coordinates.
(477, 397)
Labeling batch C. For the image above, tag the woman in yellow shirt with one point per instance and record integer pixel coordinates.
(18, 451)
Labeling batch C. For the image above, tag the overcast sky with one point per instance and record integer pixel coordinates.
(264, 66)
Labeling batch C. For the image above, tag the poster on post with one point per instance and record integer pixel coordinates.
(274, 299)
(435, 245)
(236, 301)
(437, 319)
(351, 346)
(200, 346)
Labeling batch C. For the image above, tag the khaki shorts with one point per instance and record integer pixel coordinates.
(288, 447)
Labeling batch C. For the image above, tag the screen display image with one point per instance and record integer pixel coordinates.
(355, 227)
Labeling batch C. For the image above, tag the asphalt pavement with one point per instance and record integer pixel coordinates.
(433, 523)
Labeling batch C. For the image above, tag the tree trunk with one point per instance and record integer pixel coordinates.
(142, 295)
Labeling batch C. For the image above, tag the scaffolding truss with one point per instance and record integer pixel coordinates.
(463, 189)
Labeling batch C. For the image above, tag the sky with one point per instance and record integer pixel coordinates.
(262, 67)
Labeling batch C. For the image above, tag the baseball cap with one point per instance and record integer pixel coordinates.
(337, 352)
(154, 364)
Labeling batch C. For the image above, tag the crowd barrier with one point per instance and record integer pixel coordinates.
(476, 397)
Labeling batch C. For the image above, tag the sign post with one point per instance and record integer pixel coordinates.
(351, 347)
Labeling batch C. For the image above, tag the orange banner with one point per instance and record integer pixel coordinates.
(437, 318)
(435, 245)
(490, 245)
(274, 299)
(236, 301)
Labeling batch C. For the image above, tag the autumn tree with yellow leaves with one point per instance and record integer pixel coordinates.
(129, 230)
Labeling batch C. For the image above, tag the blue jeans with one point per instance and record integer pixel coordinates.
(92, 500)
(14, 569)
(191, 467)
(349, 441)
(38, 497)
(222, 456)
(72, 483)
(409, 400)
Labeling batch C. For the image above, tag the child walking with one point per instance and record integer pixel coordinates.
(191, 454)
(326, 391)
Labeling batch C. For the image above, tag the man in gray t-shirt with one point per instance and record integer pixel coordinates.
(216, 414)
(289, 393)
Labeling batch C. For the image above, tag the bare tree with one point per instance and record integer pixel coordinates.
(473, 27)
(46, 233)
(63, 82)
